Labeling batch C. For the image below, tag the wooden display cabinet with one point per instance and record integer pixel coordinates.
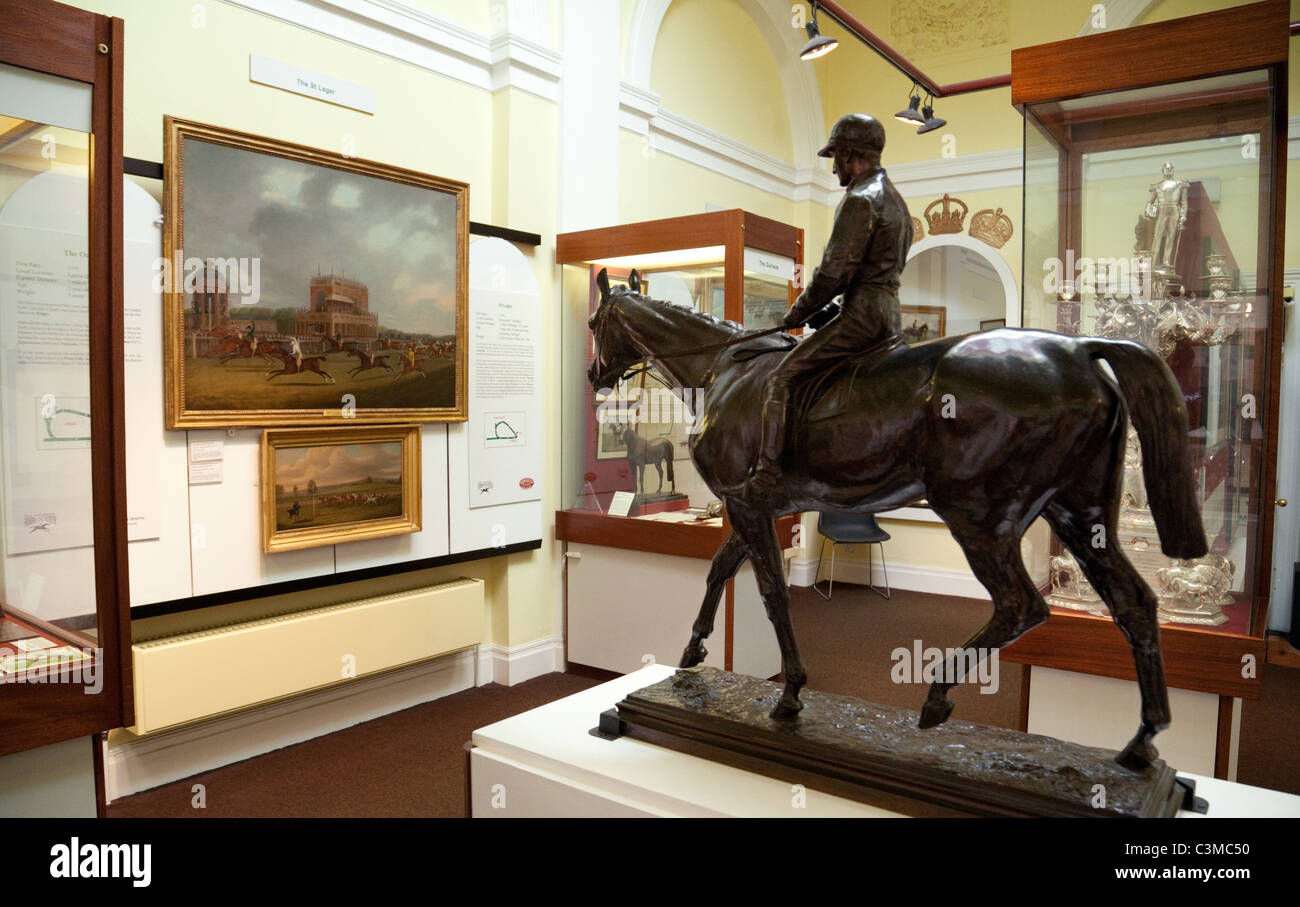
(731, 264)
(65, 558)
(1104, 114)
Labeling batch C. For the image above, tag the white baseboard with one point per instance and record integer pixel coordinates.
(509, 666)
(802, 573)
(139, 763)
(938, 580)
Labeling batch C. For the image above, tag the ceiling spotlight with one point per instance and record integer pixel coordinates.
(910, 115)
(932, 122)
(818, 44)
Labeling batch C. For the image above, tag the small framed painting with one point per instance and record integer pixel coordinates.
(322, 486)
(990, 324)
(923, 322)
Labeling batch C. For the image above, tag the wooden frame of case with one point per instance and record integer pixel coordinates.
(408, 436)
(75, 44)
(178, 413)
(1254, 36)
(735, 230)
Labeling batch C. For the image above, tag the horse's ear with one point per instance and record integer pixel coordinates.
(602, 281)
(634, 281)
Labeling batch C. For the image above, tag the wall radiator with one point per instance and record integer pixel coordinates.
(185, 678)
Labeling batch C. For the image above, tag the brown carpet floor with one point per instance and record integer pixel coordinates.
(411, 763)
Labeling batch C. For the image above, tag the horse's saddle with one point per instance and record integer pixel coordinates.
(829, 394)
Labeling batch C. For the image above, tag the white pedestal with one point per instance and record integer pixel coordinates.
(544, 763)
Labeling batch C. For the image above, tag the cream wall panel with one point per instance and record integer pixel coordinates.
(627, 608)
(226, 524)
(159, 568)
(1104, 711)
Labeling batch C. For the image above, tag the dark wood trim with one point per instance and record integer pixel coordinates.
(1195, 659)
(603, 675)
(101, 790)
(1025, 671)
(1223, 738)
(769, 235)
(666, 235)
(651, 536)
(1281, 652)
(50, 629)
(116, 581)
(253, 593)
(1252, 36)
(468, 746)
(733, 273)
(1276, 323)
(49, 37)
(632, 534)
(516, 236)
(729, 626)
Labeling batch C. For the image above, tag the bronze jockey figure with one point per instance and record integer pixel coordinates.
(863, 258)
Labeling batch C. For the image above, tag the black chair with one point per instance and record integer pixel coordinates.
(851, 529)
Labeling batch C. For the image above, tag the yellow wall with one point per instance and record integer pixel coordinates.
(712, 65)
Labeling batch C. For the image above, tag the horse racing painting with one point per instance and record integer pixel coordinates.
(308, 287)
(322, 486)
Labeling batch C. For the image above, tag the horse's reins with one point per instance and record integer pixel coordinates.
(744, 337)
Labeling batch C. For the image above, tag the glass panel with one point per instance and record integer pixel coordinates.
(640, 428)
(1148, 217)
(767, 289)
(46, 505)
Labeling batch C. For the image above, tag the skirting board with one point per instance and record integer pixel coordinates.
(141, 763)
(938, 580)
(507, 666)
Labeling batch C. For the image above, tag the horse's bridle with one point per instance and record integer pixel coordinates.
(743, 337)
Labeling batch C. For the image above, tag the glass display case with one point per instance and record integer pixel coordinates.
(626, 450)
(1152, 212)
(638, 524)
(62, 479)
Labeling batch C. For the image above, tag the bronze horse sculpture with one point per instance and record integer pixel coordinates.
(656, 452)
(994, 429)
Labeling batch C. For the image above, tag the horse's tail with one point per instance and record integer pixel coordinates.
(1155, 404)
(668, 462)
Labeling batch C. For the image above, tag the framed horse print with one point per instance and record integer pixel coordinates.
(323, 486)
(308, 287)
(923, 322)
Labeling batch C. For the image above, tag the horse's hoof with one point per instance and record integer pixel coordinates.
(1137, 756)
(785, 710)
(692, 656)
(935, 712)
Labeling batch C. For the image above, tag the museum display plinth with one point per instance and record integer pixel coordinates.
(877, 754)
(551, 766)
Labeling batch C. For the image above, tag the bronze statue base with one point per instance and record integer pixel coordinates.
(876, 754)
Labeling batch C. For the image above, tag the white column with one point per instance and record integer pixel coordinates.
(588, 177)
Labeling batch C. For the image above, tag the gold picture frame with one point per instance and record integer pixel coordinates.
(311, 499)
(923, 322)
(310, 236)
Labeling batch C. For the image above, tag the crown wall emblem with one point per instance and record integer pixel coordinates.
(993, 227)
(948, 220)
(918, 230)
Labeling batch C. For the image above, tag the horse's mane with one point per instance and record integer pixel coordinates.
(671, 308)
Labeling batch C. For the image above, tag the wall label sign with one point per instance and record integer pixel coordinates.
(279, 74)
